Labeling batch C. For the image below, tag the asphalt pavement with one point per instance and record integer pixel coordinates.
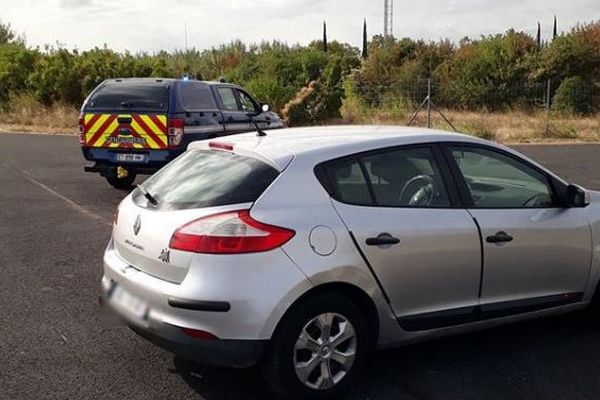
(55, 221)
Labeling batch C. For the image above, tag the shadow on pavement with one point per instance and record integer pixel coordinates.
(552, 358)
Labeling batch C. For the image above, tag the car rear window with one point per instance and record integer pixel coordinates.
(207, 178)
(114, 95)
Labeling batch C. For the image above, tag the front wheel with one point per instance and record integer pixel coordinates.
(318, 348)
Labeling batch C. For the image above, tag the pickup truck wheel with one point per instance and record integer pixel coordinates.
(124, 183)
(317, 349)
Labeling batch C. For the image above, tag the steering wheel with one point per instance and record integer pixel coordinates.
(418, 191)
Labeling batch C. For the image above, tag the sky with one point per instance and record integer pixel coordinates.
(154, 25)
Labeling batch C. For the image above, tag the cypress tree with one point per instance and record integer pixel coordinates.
(538, 38)
(365, 50)
(555, 30)
(324, 37)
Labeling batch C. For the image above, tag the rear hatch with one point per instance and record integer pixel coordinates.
(201, 182)
(127, 114)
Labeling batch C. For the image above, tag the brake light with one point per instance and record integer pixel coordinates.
(176, 127)
(81, 130)
(229, 233)
(220, 146)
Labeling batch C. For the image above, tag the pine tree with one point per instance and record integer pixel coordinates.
(324, 37)
(365, 50)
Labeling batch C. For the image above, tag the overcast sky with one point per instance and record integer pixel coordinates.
(153, 25)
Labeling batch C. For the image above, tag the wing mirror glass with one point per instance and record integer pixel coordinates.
(265, 107)
(577, 196)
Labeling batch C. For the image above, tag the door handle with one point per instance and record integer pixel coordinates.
(499, 237)
(230, 119)
(382, 239)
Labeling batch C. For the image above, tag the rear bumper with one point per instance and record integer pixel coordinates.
(105, 159)
(216, 352)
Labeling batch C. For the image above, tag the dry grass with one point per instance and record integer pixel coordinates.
(505, 127)
(27, 115)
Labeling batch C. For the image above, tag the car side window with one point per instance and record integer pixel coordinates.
(228, 98)
(246, 102)
(495, 180)
(406, 178)
(348, 182)
(397, 178)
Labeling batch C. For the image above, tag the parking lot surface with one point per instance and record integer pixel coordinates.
(55, 221)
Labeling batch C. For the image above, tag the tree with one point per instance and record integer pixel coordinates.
(365, 50)
(538, 37)
(554, 29)
(324, 37)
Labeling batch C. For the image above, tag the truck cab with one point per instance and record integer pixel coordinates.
(133, 126)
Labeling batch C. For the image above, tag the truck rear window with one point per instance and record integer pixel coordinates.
(206, 178)
(148, 96)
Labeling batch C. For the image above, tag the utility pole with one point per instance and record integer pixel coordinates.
(388, 18)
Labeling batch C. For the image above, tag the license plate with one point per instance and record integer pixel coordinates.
(129, 303)
(131, 157)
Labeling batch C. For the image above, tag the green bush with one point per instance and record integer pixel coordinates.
(573, 96)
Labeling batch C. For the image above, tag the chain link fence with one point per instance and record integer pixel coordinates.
(544, 110)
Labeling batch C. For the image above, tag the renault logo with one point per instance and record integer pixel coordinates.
(137, 225)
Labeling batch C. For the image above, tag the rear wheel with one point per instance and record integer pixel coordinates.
(593, 311)
(123, 182)
(318, 348)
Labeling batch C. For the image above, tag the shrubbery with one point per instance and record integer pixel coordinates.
(311, 86)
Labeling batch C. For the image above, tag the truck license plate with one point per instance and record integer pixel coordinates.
(131, 157)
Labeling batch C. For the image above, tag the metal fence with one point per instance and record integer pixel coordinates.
(431, 104)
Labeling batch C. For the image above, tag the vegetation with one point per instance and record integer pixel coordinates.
(328, 80)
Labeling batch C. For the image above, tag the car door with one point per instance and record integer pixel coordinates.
(235, 119)
(536, 253)
(421, 245)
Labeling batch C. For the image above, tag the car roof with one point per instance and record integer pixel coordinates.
(329, 142)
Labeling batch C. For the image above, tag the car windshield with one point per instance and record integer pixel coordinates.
(206, 178)
(123, 95)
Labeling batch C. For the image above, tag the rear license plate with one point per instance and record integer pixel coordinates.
(128, 302)
(127, 157)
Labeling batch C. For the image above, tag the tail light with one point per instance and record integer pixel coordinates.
(229, 233)
(175, 131)
(81, 130)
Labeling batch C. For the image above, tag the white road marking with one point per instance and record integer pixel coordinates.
(53, 192)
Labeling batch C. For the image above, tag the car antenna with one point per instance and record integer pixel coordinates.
(259, 132)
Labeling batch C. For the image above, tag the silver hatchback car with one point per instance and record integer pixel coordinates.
(305, 249)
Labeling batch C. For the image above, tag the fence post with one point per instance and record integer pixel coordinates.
(548, 107)
(429, 102)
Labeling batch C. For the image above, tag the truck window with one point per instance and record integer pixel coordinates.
(228, 99)
(130, 95)
(196, 96)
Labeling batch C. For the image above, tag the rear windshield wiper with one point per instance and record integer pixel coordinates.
(147, 195)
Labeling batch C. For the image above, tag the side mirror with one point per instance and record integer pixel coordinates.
(265, 107)
(577, 196)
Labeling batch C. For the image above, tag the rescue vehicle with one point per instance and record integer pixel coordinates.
(132, 126)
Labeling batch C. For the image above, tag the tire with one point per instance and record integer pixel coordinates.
(285, 350)
(593, 310)
(125, 183)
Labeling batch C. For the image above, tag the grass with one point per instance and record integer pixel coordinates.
(27, 115)
(507, 127)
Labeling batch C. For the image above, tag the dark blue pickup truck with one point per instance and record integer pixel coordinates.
(135, 126)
